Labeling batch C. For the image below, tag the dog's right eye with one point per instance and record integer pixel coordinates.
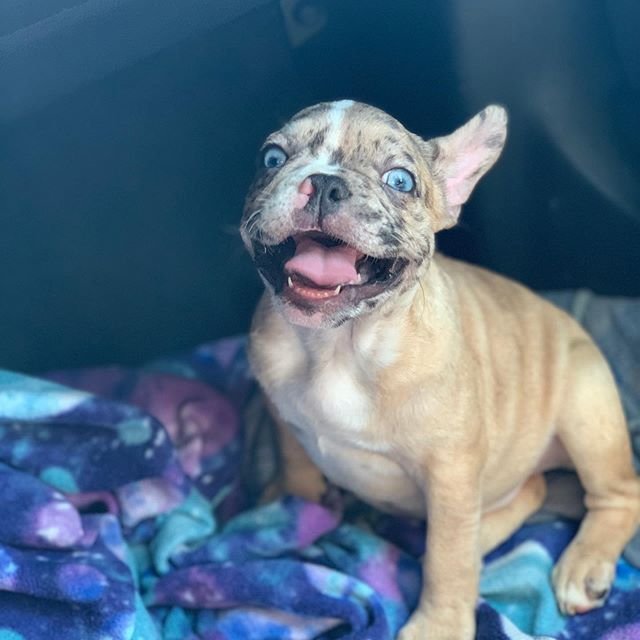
(274, 157)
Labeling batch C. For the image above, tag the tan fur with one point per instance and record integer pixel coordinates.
(453, 395)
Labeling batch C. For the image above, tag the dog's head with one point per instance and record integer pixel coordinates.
(344, 209)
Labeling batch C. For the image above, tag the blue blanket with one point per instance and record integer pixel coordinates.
(123, 516)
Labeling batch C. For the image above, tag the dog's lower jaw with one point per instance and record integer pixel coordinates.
(411, 287)
(311, 318)
(307, 319)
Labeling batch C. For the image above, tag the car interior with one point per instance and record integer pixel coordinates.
(130, 130)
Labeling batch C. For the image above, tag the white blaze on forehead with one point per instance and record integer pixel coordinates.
(336, 116)
(322, 162)
(335, 119)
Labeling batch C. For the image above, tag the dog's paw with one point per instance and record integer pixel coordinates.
(425, 627)
(582, 580)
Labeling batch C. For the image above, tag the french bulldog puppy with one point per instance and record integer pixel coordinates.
(423, 385)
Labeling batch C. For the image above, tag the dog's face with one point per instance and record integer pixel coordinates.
(343, 212)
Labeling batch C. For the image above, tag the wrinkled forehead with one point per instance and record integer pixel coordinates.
(337, 130)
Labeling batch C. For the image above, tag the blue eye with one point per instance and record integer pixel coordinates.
(274, 157)
(399, 180)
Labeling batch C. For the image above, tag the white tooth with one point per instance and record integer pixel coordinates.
(338, 289)
(289, 281)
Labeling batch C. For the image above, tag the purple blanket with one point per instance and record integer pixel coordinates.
(123, 515)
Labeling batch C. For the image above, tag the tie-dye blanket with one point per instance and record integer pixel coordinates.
(123, 516)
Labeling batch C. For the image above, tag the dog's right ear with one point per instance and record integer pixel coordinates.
(460, 159)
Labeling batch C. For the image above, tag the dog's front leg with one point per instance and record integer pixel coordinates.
(451, 564)
(297, 475)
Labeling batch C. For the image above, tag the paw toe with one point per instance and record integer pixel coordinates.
(599, 580)
(583, 584)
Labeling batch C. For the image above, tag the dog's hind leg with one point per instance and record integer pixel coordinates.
(592, 428)
(496, 526)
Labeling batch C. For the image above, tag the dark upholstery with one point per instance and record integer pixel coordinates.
(128, 135)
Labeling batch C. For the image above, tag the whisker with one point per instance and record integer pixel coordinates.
(252, 216)
(252, 221)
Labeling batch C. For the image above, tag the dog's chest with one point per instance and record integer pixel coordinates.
(335, 417)
(331, 400)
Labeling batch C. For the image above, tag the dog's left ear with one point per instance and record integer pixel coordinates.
(460, 159)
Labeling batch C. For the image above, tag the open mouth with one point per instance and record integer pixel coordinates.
(314, 270)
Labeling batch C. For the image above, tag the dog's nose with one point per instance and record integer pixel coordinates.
(330, 192)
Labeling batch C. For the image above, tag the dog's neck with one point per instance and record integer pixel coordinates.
(373, 341)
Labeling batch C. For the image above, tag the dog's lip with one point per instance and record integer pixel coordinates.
(322, 237)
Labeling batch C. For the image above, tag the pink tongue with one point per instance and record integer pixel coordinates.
(324, 266)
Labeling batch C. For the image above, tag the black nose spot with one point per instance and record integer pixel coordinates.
(329, 192)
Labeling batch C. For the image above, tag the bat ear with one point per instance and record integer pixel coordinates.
(460, 159)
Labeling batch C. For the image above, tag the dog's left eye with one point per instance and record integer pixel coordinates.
(274, 157)
(399, 179)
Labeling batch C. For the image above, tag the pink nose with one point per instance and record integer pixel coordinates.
(306, 187)
(305, 191)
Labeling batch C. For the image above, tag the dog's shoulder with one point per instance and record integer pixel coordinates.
(500, 298)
